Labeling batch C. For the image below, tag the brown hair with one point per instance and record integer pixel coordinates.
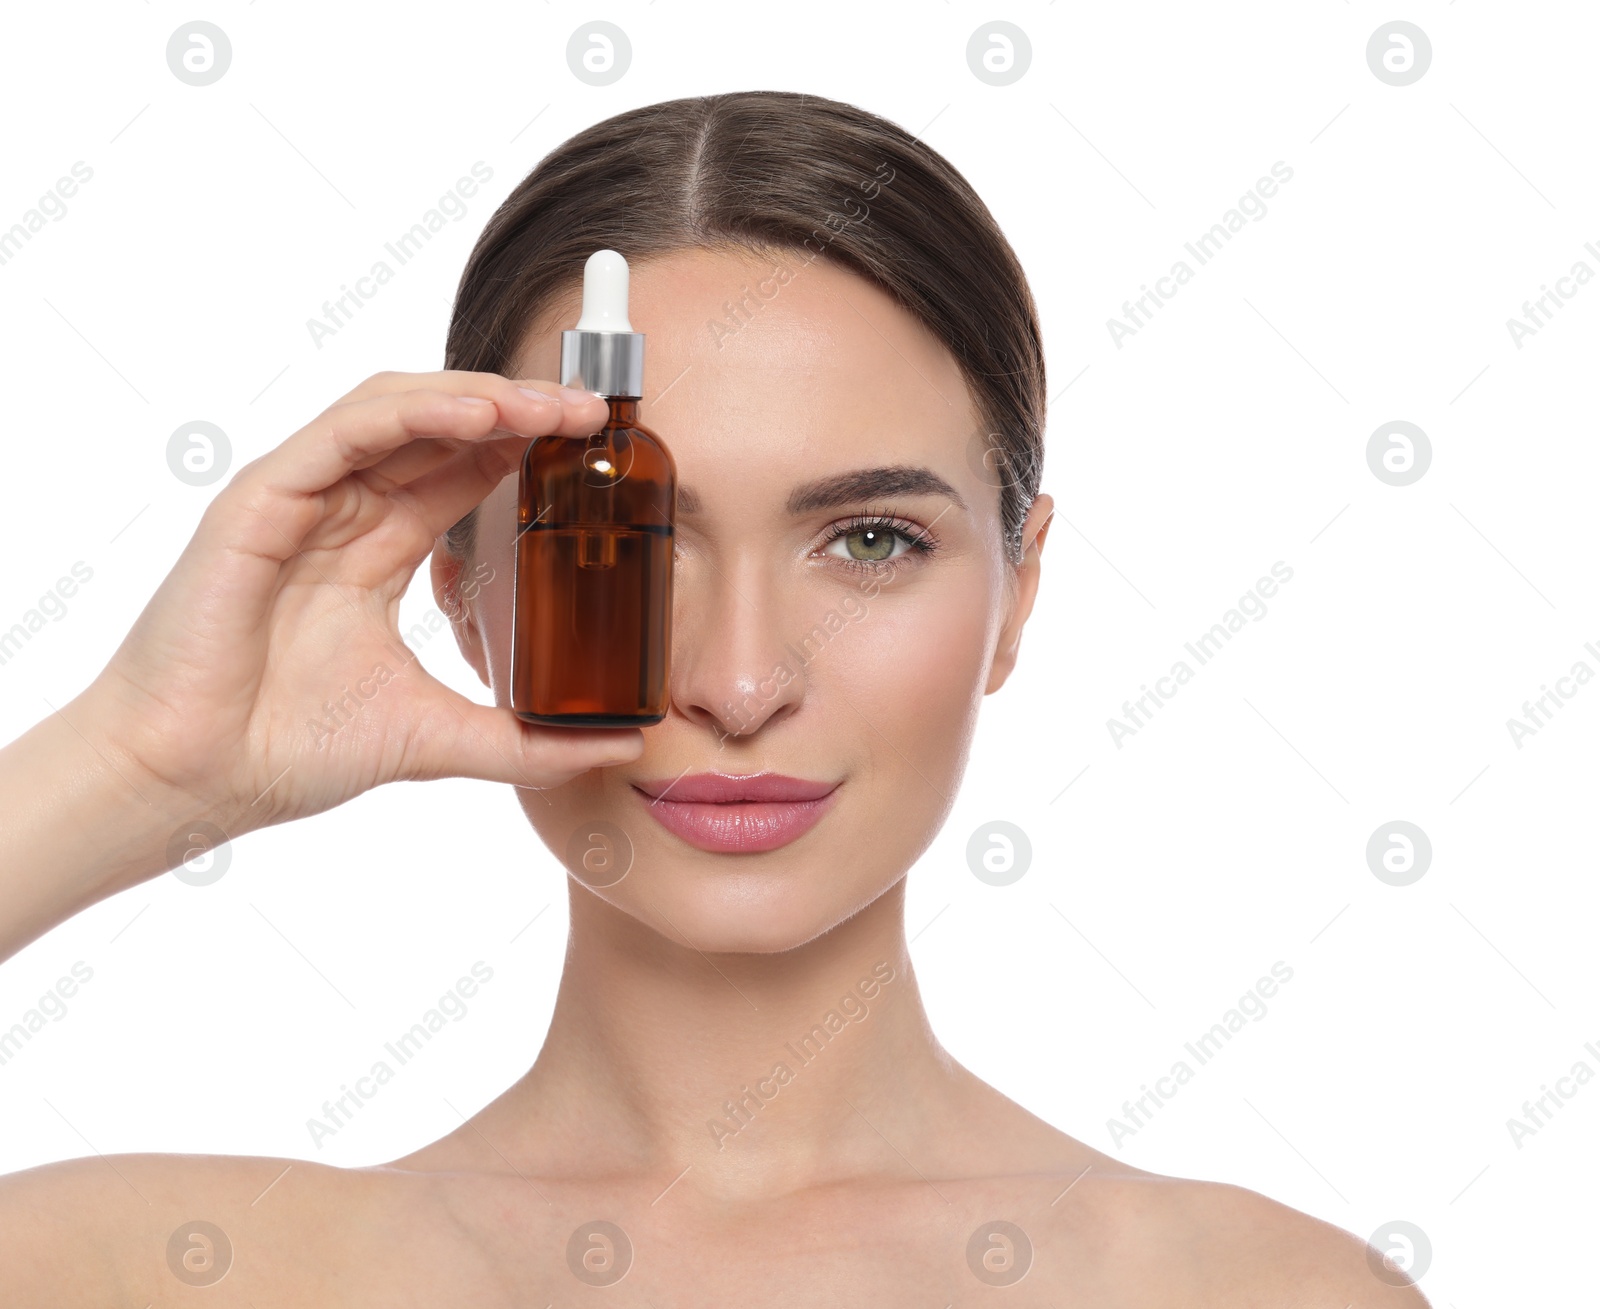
(770, 171)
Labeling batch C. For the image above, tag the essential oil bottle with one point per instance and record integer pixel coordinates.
(592, 585)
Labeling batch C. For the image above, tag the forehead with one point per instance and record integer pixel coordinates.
(790, 342)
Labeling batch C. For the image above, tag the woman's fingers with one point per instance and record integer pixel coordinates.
(274, 501)
(460, 738)
(456, 381)
(414, 459)
(363, 432)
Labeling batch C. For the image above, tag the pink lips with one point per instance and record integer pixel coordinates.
(732, 814)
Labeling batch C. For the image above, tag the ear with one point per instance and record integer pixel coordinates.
(445, 569)
(1034, 530)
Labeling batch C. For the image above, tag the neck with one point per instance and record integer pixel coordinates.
(764, 1072)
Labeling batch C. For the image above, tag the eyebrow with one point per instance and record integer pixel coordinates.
(849, 488)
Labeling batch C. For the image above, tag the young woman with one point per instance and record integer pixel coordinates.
(844, 359)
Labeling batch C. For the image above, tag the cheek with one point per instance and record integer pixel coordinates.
(913, 666)
(493, 608)
(577, 817)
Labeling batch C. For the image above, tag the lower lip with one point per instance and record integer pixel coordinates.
(743, 827)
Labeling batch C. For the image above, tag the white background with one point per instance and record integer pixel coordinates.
(1229, 433)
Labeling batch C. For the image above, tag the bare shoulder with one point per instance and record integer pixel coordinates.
(1214, 1243)
(1100, 1231)
(131, 1228)
(1261, 1250)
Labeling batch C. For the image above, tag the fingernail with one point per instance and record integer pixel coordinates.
(533, 394)
(472, 399)
(574, 396)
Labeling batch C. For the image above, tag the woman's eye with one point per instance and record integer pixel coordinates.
(874, 544)
(869, 544)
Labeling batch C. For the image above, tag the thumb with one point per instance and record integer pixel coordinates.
(462, 738)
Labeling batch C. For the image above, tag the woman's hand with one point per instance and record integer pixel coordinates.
(288, 596)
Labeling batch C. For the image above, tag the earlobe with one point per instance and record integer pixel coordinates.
(1034, 530)
(445, 570)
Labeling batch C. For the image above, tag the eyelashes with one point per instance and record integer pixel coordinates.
(918, 541)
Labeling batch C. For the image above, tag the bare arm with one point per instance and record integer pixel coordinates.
(57, 1238)
(80, 821)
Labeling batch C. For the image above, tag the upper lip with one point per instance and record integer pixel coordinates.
(726, 788)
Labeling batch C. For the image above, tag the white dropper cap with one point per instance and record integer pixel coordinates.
(603, 353)
(605, 293)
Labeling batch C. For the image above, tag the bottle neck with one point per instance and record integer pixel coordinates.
(624, 409)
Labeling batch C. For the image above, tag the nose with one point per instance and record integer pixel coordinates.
(733, 671)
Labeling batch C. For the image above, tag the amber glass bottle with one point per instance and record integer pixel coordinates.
(593, 582)
(592, 585)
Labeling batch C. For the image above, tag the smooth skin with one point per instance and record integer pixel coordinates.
(862, 1179)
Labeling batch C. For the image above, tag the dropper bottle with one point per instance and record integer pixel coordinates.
(592, 584)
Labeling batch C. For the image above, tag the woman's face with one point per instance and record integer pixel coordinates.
(795, 398)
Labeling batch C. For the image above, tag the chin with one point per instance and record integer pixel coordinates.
(724, 910)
